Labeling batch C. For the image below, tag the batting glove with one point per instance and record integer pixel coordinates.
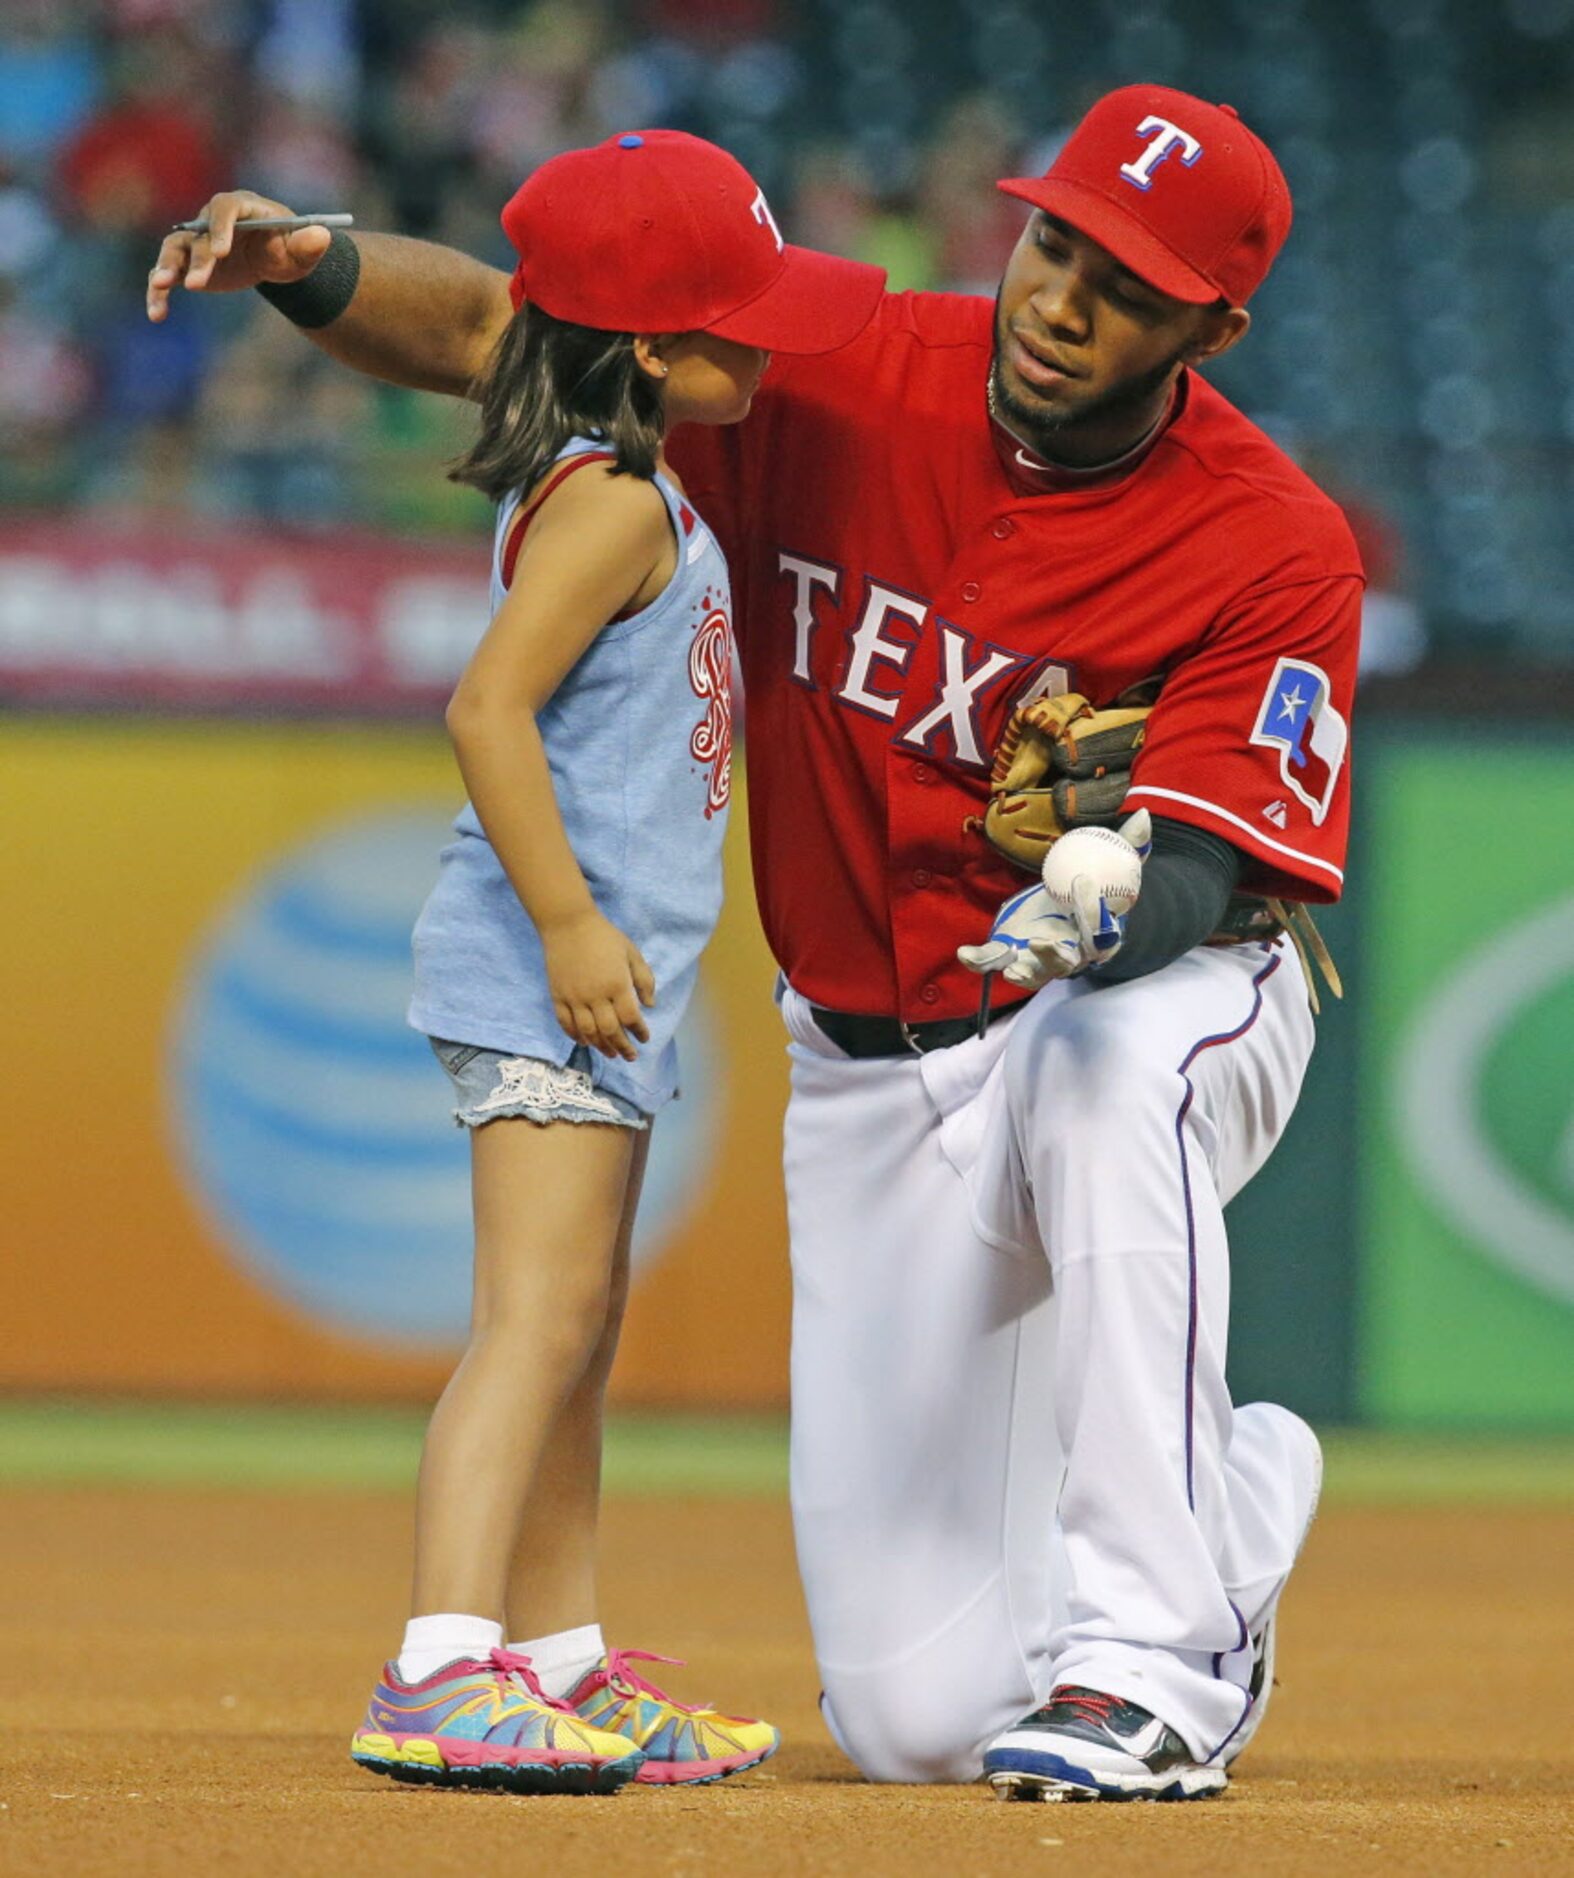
(1030, 943)
(1033, 940)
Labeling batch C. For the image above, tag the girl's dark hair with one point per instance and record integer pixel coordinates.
(549, 380)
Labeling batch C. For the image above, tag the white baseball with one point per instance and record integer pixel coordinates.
(1113, 863)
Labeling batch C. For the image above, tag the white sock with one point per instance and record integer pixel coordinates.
(562, 1659)
(430, 1642)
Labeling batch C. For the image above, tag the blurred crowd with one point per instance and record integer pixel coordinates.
(879, 128)
(119, 117)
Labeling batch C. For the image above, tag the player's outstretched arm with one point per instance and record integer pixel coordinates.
(420, 315)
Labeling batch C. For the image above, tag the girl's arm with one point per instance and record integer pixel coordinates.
(598, 543)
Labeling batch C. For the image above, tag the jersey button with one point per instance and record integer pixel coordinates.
(930, 994)
(922, 773)
(971, 590)
(922, 877)
(1004, 529)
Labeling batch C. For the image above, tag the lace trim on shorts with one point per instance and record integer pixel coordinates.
(527, 1082)
(491, 1086)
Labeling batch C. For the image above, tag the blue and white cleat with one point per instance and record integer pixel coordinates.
(1085, 1745)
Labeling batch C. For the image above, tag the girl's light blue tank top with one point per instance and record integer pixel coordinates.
(638, 739)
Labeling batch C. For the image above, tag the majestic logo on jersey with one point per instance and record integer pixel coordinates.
(1298, 719)
(710, 673)
(1167, 139)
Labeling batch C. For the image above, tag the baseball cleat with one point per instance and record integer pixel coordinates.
(1260, 1686)
(682, 1746)
(476, 1723)
(1085, 1745)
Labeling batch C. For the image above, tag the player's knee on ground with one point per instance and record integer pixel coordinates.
(882, 1721)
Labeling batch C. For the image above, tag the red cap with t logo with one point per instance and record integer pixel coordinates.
(1179, 191)
(655, 231)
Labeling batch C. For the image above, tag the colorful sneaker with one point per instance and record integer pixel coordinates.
(1085, 1745)
(683, 1746)
(487, 1723)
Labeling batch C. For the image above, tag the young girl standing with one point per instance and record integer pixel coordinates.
(558, 950)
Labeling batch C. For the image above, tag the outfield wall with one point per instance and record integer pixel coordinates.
(1408, 1256)
(230, 1169)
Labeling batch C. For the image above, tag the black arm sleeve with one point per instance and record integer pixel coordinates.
(1186, 883)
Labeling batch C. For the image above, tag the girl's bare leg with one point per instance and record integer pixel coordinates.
(549, 1219)
(552, 1586)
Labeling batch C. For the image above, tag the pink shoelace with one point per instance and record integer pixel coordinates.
(1092, 1703)
(510, 1666)
(616, 1674)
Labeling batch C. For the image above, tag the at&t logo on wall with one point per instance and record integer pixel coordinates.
(315, 1127)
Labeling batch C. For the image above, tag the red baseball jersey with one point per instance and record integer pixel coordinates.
(903, 570)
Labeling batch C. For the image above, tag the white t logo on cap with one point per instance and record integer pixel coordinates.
(761, 211)
(1168, 138)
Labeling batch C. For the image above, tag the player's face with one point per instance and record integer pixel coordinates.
(1085, 352)
(710, 380)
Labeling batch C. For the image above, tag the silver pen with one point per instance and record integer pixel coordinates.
(284, 224)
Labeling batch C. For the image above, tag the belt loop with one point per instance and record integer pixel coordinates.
(908, 1038)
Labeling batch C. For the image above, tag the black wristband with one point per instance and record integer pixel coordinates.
(327, 290)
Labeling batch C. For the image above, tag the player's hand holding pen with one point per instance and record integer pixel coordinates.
(217, 253)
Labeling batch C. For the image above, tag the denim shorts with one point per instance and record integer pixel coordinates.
(491, 1087)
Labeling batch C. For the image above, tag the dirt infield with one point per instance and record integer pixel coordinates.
(182, 1670)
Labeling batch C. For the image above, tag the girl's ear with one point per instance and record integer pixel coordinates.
(650, 353)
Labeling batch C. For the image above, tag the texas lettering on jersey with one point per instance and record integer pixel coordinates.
(1296, 715)
(879, 647)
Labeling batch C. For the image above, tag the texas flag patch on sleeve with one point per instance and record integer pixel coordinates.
(1298, 719)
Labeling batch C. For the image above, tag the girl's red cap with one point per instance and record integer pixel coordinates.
(1179, 191)
(655, 231)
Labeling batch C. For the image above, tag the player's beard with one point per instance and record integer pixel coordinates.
(1048, 431)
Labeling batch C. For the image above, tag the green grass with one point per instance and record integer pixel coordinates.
(60, 1442)
(1402, 1468)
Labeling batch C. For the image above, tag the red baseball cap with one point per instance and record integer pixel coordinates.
(1179, 191)
(655, 231)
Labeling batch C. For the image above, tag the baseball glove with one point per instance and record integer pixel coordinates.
(1062, 764)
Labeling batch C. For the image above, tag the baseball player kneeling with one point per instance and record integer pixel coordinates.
(1037, 1539)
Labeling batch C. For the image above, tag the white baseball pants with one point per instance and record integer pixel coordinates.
(1014, 1459)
